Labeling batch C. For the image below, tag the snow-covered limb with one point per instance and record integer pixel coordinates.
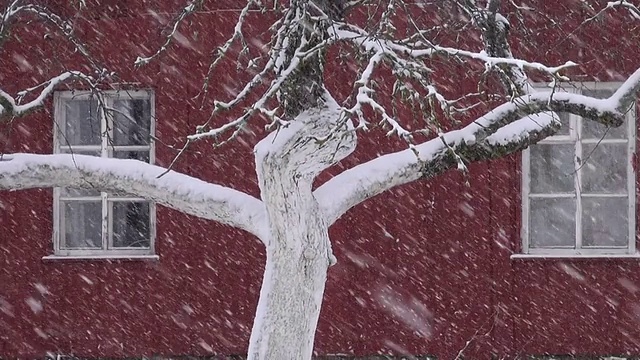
(177, 191)
(634, 10)
(10, 11)
(421, 49)
(502, 131)
(495, 32)
(10, 107)
(405, 56)
(292, 44)
(21, 12)
(224, 49)
(186, 11)
(627, 94)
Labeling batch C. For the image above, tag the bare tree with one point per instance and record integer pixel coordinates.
(311, 131)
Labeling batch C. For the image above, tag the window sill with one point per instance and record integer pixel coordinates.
(574, 256)
(101, 257)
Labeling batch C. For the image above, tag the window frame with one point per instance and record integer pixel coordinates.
(106, 151)
(578, 250)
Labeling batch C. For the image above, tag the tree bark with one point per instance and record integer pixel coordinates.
(298, 247)
(298, 257)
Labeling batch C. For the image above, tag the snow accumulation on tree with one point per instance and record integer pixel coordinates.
(311, 131)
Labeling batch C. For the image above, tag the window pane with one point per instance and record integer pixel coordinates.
(127, 154)
(131, 224)
(71, 193)
(552, 223)
(82, 123)
(564, 120)
(68, 192)
(604, 168)
(137, 155)
(605, 222)
(132, 122)
(595, 130)
(552, 168)
(82, 225)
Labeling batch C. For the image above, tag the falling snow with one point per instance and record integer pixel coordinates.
(423, 179)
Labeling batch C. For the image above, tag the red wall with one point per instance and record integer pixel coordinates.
(423, 269)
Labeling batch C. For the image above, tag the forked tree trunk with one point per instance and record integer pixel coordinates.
(298, 249)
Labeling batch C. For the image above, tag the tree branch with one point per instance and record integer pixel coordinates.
(633, 9)
(19, 12)
(502, 131)
(43, 13)
(495, 32)
(10, 107)
(193, 6)
(177, 191)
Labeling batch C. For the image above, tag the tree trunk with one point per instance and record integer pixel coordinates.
(292, 290)
(298, 256)
(298, 248)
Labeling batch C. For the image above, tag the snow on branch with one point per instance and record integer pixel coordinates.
(406, 59)
(186, 11)
(238, 35)
(634, 10)
(627, 93)
(11, 107)
(495, 32)
(299, 36)
(174, 190)
(290, 35)
(419, 49)
(510, 127)
(22, 13)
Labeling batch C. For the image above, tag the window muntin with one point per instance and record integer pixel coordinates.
(579, 187)
(92, 223)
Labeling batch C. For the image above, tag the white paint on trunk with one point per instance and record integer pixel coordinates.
(298, 257)
(298, 248)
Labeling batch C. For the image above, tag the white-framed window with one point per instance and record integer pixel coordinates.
(118, 125)
(579, 186)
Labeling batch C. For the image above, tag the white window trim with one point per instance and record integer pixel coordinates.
(59, 99)
(592, 252)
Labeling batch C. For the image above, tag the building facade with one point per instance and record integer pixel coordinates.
(530, 255)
